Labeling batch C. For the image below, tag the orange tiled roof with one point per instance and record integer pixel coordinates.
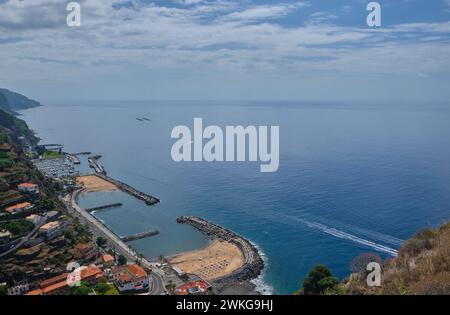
(53, 280)
(184, 289)
(107, 258)
(125, 277)
(55, 286)
(18, 206)
(81, 246)
(136, 271)
(27, 185)
(60, 281)
(90, 271)
(35, 292)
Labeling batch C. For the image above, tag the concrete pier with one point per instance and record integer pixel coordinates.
(93, 163)
(139, 236)
(113, 205)
(73, 158)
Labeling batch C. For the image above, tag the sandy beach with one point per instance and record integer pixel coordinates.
(217, 260)
(93, 183)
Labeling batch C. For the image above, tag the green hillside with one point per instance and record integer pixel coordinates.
(11, 101)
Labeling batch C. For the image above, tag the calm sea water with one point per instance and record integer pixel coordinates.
(352, 178)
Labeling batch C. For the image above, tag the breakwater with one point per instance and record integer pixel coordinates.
(93, 163)
(140, 235)
(113, 205)
(148, 199)
(253, 262)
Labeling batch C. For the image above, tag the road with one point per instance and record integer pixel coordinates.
(41, 222)
(100, 230)
(156, 284)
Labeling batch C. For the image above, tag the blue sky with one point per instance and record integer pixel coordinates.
(226, 49)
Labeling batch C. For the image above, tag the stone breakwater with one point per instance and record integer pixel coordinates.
(253, 262)
(148, 199)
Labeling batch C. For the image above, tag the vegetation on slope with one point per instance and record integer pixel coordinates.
(422, 267)
(11, 101)
(319, 281)
(17, 126)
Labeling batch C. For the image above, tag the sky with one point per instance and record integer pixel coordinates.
(319, 50)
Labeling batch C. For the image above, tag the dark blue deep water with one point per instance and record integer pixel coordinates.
(352, 178)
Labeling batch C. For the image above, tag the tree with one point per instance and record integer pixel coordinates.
(44, 203)
(83, 289)
(3, 290)
(101, 241)
(171, 287)
(121, 260)
(101, 288)
(319, 280)
(68, 234)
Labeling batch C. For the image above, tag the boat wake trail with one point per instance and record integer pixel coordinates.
(339, 233)
(347, 236)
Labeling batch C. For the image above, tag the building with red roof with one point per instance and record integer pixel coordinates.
(59, 285)
(196, 287)
(130, 278)
(19, 207)
(28, 188)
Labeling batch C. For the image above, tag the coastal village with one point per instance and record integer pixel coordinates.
(49, 245)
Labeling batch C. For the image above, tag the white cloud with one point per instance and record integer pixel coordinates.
(221, 37)
(265, 12)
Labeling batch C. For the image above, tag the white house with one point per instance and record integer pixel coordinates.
(50, 229)
(130, 278)
(28, 188)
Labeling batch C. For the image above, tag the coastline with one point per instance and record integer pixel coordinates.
(253, 262)
(244, 276)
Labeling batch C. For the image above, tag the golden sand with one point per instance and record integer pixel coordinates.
(217, 260)
(93, 183)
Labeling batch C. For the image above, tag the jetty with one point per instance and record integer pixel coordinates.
(73, 158)
(139, 236)
(81, 153)
(113, 205)
(148, 199)
(253, 262)
(93, 163)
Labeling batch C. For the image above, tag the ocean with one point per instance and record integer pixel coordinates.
(353, 178)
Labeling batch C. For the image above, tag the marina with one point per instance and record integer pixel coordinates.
(57, 168)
